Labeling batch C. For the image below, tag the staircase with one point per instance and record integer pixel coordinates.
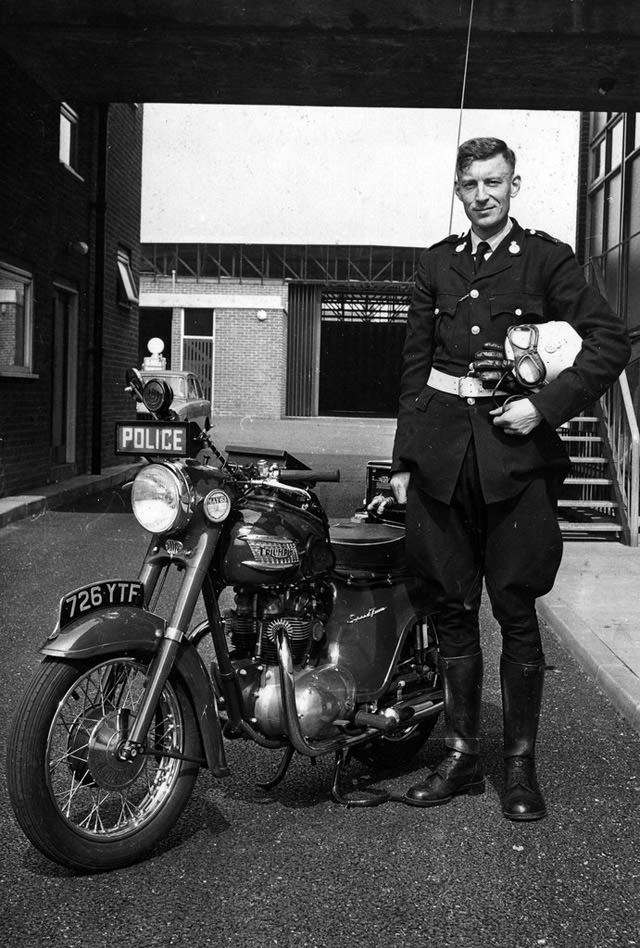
(588, 505)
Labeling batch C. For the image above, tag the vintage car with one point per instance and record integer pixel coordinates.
(188, 398)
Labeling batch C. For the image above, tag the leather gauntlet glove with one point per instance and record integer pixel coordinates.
(490, 366)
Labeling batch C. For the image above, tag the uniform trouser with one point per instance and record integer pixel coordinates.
(514, 545)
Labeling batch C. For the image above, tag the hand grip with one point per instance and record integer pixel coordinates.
(308, 477)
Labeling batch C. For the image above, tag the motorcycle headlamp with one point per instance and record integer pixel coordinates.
(162, 498)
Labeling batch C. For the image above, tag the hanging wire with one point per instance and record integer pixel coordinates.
(462, 97)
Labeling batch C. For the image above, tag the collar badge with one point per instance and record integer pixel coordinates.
(514, 247)
(460, 247)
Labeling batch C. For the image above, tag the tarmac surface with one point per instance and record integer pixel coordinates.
(288, 867)
(594, 608)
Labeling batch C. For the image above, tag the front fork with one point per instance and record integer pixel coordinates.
(196, 566)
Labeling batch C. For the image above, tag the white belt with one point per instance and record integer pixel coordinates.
(464, 387)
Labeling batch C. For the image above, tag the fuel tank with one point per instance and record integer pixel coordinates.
(268, 541)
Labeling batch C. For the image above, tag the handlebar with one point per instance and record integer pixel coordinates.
(308, 477)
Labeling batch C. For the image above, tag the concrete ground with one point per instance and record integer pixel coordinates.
(594, 608)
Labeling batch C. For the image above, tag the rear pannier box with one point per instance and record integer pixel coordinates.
(378, 481)
(366, 548)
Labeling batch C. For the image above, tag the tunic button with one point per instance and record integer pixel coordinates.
(475, 330)
(436, 311)
(471, 401)
(518, 312)
(474, 294)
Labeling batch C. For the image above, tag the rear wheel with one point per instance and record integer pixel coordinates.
(75, 798)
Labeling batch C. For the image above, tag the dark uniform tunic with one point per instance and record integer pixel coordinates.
(481, 502)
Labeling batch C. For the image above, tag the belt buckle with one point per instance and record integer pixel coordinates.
(467, 387)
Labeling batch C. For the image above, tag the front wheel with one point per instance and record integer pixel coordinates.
(77, 801)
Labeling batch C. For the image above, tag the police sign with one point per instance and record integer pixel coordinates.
(166, 438)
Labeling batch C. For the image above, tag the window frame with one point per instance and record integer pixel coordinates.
(127, 293)
(68, 150)
(26, 278)
(613, 181)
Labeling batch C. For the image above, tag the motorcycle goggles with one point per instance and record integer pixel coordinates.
(528, 367)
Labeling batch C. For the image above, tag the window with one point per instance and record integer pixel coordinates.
(127, 293)
(68, 137)
(612, 233)
(198, 322)
(597, 159)
(598, 121)
(617, 145)
(16, 319)
(194, 390)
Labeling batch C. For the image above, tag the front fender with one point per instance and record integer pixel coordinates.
(120, 629)
(126, 631)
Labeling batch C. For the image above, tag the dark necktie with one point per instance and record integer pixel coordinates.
(478, 260)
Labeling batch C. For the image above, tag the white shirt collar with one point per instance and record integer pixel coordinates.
(492, 241)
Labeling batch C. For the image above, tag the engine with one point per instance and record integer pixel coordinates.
(324, 693)
(301, 612)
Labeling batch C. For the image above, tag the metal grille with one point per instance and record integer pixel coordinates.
(303, 345)
(255, 263)
(197, 356)
(365, 306)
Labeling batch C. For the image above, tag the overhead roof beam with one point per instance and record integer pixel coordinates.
(551, 54)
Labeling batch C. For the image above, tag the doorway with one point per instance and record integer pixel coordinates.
(362, 335)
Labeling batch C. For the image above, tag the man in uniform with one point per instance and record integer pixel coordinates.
(480, 475)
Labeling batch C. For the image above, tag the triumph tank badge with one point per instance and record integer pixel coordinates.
(271, 552)
(514, 247)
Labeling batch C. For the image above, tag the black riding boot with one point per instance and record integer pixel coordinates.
(521, 700)
(461, 770)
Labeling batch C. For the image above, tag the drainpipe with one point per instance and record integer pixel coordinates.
(99, 281)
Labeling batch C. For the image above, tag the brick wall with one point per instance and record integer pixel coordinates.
(45, 209)
(583, 188)
(250, 363)
(250, 353)
(120, 331)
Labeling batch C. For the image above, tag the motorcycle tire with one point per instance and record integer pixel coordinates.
(75, 799)
(390, 752)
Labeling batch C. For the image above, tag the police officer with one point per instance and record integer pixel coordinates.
(479, 473)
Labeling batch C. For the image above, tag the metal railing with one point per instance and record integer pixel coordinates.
(621, 425)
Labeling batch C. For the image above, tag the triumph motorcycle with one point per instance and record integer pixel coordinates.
(311, 641)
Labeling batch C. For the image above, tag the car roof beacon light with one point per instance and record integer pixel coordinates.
(156, 360)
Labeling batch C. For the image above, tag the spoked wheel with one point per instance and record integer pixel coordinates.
(395, 750)
(75, 797)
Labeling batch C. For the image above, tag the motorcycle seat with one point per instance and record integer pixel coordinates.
(368, 548)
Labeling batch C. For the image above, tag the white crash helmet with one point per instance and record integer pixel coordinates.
(540, 351)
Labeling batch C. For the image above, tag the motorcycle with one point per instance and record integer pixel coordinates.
(322, 649)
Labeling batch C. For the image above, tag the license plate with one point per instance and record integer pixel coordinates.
(166, 438)
(104, 595)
